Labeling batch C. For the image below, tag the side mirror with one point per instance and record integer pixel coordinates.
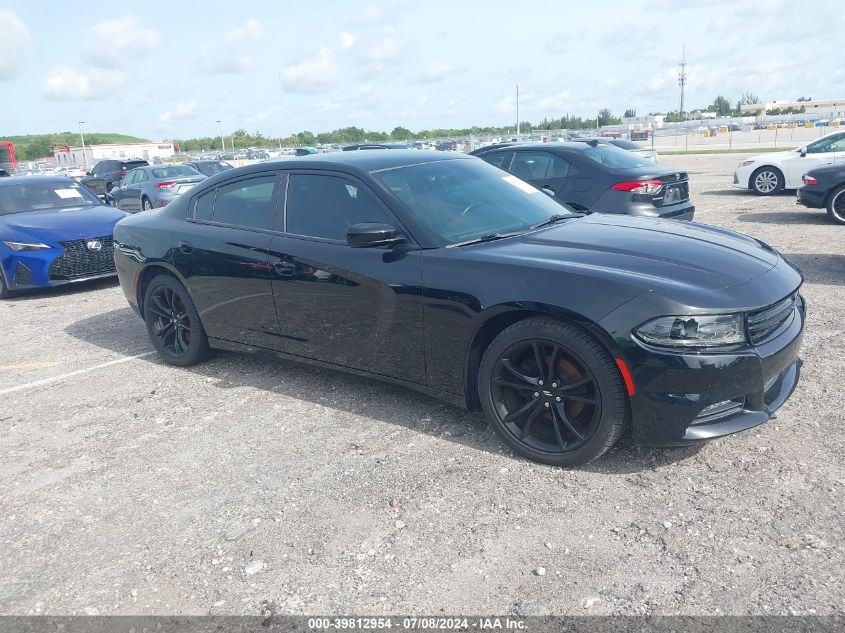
(88, 173)
(111, 185)
(548, 192)
(367, 234)
(802, 151)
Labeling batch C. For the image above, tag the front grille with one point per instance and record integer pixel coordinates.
(79, 260)
(763, 323)
(23, 275)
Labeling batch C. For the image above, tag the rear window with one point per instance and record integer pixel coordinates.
(623, 144)
(615, 158)
(175, 171)
(132, 164)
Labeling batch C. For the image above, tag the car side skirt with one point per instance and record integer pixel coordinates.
(445, 396)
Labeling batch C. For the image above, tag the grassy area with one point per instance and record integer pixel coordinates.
(36, 146)
(744, 150)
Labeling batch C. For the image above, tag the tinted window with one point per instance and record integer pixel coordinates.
(247, 203)
(496, 159)
(538, 166)
(132, 164)
(209, 169)
(203, 205)
(324, 206)
(623, 144)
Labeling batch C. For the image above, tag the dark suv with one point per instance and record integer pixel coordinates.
(597, 177)
(107, 173)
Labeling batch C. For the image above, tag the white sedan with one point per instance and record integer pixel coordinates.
(766, 174)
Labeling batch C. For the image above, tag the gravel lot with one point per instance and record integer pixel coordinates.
(241, 486)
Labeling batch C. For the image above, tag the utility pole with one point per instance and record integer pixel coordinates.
(84, 153)
(222, 141)
(517, 113)
(682, 80)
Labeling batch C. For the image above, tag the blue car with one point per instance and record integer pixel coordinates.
(53, 231)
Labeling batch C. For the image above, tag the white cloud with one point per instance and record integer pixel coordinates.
(64, 83)
(113, 43)
(555, 102)
(16, 41)
(383, 50)
(183, 110)
(231, 54)
(311, 76)
(347, 40)
(438, 71)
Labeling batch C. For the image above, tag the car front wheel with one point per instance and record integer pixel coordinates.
(766, 181)
(146, 205)
(552, 392)
(836, 205)
(173, 322)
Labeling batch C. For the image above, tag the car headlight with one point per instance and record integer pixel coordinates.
(707, 330)
(23, 246)
(746, 163)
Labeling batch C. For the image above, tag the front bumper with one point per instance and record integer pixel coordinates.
(742, 177)
(55, 266)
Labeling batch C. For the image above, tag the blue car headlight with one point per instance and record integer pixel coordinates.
(706, 330)
(24, 246)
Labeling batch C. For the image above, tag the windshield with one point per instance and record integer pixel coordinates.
(175, 171)
(615, 158)
(461, 200)
(623, 144)
(20, 198)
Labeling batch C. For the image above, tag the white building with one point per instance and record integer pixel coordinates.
(74, 157)
(831, 108)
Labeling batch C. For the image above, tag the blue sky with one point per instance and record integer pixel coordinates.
(172, 69)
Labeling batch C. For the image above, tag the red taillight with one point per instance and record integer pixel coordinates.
(121, 173)
(639, 186)
(809, 180)
(165, 185)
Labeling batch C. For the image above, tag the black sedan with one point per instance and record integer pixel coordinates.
(824, 188)
(596, 177)
(441, 273)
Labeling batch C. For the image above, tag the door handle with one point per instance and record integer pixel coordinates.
(284, 269)
(186, 247)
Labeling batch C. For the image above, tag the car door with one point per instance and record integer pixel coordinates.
(545, 170)
(121, 192)
(356, 307)
(132, 190)
(222, 254)
(830, 149)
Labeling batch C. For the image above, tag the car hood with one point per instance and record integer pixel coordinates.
(650, 254)
(772, 158)
(52, 226)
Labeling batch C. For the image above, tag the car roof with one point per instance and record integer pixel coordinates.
(360, 161)
(568, 145)
(22, 180)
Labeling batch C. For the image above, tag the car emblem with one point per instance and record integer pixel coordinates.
(94, 245)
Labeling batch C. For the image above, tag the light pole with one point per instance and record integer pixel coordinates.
(84, 153)
(517, 113)
(222, 142)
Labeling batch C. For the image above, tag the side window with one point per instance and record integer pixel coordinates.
(324, 206)
(560, 168)
(203, 205)
(530, 165)
(497, 159)
(830, 144)
(247, 203)
(838, 144)
(142, 176)
(129, 179)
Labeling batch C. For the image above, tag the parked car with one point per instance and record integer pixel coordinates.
(106, 173)
(639, 135)
(4, 173)
(148, 188)
(596, 177)
(53, 231)
(646, 152)
(304, 151)
(824, 188)
(257, 154)
(447, 146)
(70, 172)
(767, 174)
(380, 263)
(209, 167)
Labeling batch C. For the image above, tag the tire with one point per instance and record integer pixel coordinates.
(146, 205)
(5, 293)
(173, 323)
(836, 205)
(766, 181)
(569, 413)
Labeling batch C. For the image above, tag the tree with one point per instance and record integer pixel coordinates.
(630, 113)
(400, 133)
(748, 98)
(802, 99)
(720, 106)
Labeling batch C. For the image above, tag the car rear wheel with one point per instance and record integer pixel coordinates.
(552, 393)
(146, 205)
(836, 205)
(5, 293)
(173, 323)
(766, 181)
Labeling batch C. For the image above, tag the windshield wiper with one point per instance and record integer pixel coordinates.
(557, 217)
(485, 238)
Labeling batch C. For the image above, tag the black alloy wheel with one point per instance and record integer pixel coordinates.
(173, 323)
(146, 205)
(836, 205)
(552, 392)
